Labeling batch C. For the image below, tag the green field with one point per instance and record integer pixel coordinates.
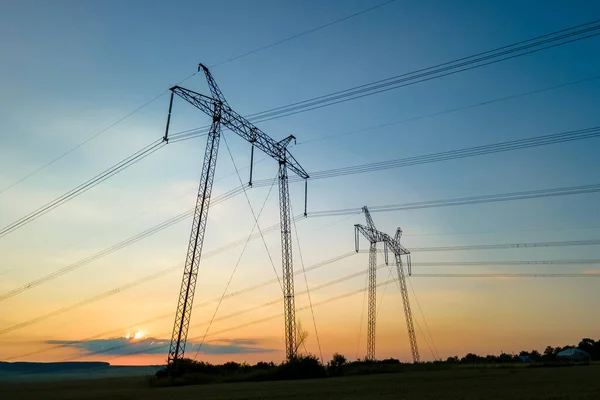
(582, 382)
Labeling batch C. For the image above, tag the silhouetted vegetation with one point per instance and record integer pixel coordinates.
(310, 367)
(549, 355)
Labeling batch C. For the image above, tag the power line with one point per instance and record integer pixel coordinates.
(502, 246)
(247, 289)
(335, 281)
(543, 140)
(561, 228)
(452, 110)
(536, 141)
(550, 40)
(323, 302)
(312, 312)
(500, 262)
(422, 332)
(540, 140)
(121, 245)
(348, 211)
(508, 263)
(437, 354)
(461, 62)
(254, 308)
(82, 188)
(518, 275)
(435, 157)
(304, 33)
(500, 197)
(153, 276)
(256, 217)
(90, 300)
(378, 84)
(44, 166)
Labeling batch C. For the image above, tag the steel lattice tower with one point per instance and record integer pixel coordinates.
(374, 236)
(289, 307)
(222, 114)
(372, 307)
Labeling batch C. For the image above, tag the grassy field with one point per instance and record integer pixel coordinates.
(489, 383)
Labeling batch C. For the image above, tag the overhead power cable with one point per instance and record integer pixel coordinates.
(158, 274)
(90, 300)
(435, 157)
(451, 110)
(84, 187)
(351, 276)
(550, 40)
(249, 310)
(500, 263)
(152, 100)
(279, 315)
(255, 226)
(89, 139)
(543, 140)
(128, 242)
(247, 289)
(243, 186)
(304, 33)
(416, 321)
(502, 246)
(518, 275)
(500, 197)
(312, 312)
(436, 356)
(495, 231)
(573, 190)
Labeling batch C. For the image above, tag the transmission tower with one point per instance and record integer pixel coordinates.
(216, 107)
(374, 236)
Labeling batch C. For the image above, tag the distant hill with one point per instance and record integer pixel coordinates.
(51, 367)
(28, 371)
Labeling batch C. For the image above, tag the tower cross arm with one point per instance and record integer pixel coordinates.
(395, 246)
(243, 128)
(375, 236)
(372, 235)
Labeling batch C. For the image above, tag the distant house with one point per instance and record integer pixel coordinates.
(574, 354)
(526, 359)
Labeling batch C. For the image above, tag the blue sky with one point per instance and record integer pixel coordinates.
(70, 69)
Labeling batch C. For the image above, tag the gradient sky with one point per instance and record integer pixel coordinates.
(70, 69)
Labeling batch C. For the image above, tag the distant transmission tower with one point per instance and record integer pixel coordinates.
(217, 108)
(374, 236)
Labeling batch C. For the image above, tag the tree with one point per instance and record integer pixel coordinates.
(337, 363)
(549, 354)
(338, 360)
(470, 358)
(591, 347)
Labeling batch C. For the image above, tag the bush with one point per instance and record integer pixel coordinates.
(264, 365)
(302, 367)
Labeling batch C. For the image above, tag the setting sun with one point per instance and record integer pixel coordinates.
(136, 335)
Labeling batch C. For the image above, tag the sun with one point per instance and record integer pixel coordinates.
(136, 335)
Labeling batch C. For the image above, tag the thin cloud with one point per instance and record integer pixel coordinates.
(124, 346)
